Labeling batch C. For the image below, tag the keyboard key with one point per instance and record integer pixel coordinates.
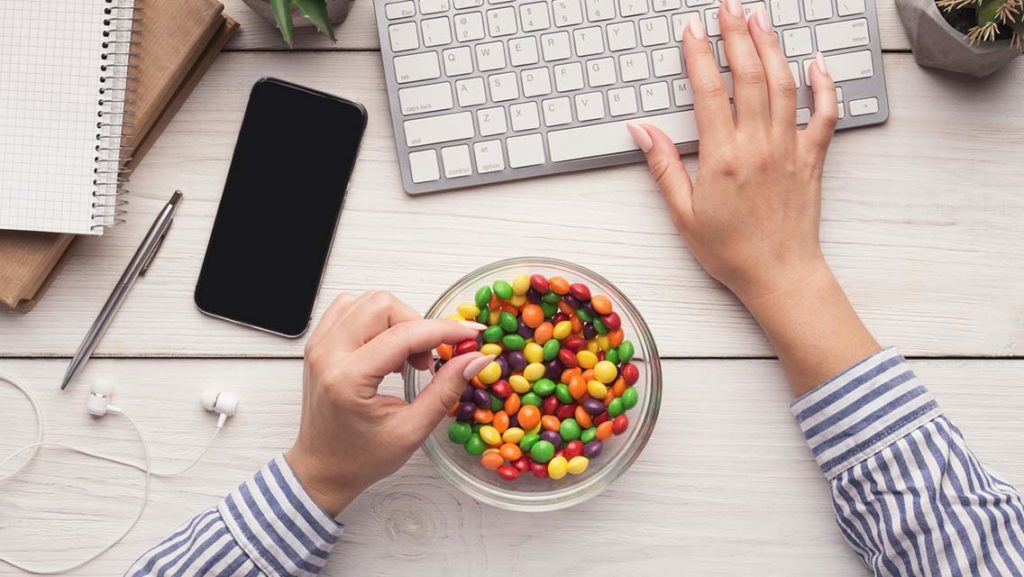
(803, 116)
(433, 6)
(817, 9)
(536, 82)
(667, 62)
(850, 7)
(555, 46)
(654, 31)
(632, 7)
(667, 5)
(556, 111)
(849, 66)
(654, 96)
(436, 32)
(720, 52)
(534, 16)
(456, 160)
(567, 12)
(679, 22)
(463, 4)
(795, 69)
(711, 18)
(457, 61)
(523, 51)
(842, 111)
(470, 91)
(489, 157)
(397, 10)
(403, 37)
(490, 56)
(491, 121)
(502, 21)
(751, 7)
(598, 10)
(634, 67)
(621, 36)
(588, 41)
(839, 93)
(863, 106)
(423, 166)
(469, 26)
(612, 137)
(589, 106)
(840, 35)
(525, 150)
(682, 92)
(797, 42)
(695, 3)
(426, 98)
(416, 67)
(622, 101)
(434, 129)
(785, 12)
(568, 77)
(601, 72)
(503, 87)
(524, 116)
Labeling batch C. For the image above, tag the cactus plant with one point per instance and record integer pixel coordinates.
(987, 20)
(314, 10)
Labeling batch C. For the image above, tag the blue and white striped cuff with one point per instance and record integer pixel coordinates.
(863, 410)
(278, 525)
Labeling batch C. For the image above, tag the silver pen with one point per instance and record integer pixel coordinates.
(136, 268)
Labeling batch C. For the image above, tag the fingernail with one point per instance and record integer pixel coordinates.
(476, 366)
(695, 29)
(640, 137)
(734, 8)
(761, 17)
(473, 325)
(820, 61)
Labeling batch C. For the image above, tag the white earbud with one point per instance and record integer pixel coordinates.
(99, 400)
(224, 404)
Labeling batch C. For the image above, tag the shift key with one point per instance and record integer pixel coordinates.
(849, 66)
(434, 129)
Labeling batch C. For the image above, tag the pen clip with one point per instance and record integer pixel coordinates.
(156, 249)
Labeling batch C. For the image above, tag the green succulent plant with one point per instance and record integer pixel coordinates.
(314, 10)
(993, 19)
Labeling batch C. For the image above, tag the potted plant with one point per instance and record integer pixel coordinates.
(975, 37)
(291, 14)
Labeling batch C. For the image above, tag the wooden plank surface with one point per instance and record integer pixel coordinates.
(358, 32)
(725, 487)
(921, 222)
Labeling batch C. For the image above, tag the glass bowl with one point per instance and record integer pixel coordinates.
(528, 493)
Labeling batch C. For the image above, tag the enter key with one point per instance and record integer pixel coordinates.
(840, 35)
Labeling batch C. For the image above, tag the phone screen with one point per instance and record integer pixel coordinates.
(280, 206)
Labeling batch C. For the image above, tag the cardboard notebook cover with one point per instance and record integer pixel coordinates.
(177, 43)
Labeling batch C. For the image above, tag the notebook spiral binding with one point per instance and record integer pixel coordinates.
(114, 126)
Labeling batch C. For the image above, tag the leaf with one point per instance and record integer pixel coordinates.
(283, 15)
(316, 11)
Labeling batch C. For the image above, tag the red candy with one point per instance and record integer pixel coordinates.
(612, 321)
(573, 449)
(565, 412)
(539, 470)
(580, 292)
(522, 464)
(539, 283)
(466, 346)
(508, 472)
(567, 358)
(630, 373)
(601, 418)
(575, 343)
(619, 424)
(501, 389)
(550, 405)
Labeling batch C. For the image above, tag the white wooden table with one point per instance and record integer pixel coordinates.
(922, 222)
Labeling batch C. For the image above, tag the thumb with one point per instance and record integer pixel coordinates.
(433, 402)
(667, 169)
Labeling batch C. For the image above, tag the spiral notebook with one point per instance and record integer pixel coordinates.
(64, 66)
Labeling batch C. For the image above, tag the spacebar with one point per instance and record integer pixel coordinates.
(612, 137)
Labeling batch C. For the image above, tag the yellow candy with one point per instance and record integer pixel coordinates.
(520, 285)
(562, 330)
(491, 349)
(513, 435)
(592, 346)
(535, 429)
(602, 342)
(518, 300)
(519, 384)
(490, 435)
(534, 371)
(576, 465)
(469, 311)
(558, 467)
(490, 374)
(587, 359)
(494, 318)
(597, 390)
(455, 317)
(533, 352)
(605, 371)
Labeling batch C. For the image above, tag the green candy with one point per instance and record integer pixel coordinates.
(503, 290)
(493, 334)
(569, 430)
(484, 316)
(544, 387)
(602, 329)
(508, 322)
(629, 398)
(588, 435)
(612, 356)
(475, 445)
(497, 403)
(459, 432)
(531, 398)
(477, 427)
(512, 342)
(584, 315)
(551, 298)
(528, 441)
(542, 451)
(483, 296)
(615, 408)
(562, 392)
(626, 352)
(551, 349)
(549, 309)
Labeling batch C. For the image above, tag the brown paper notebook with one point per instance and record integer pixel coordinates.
(177, 42)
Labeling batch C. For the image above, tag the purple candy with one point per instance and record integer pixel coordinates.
(504, 366)
(513, 421)
(467, 394)
(589, 331)
(593, 406)
(592, 449)
(479, 340)
(553, 370)
(481, 398)
(552, 437)
(533, 296)
(524, 331)
(465, 412)
(516, 360)
(571, 301)
(589, 308)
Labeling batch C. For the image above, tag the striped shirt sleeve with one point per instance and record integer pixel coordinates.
(267, 526)
(909, 496)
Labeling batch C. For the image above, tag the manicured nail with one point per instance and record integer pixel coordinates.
(820, 61)
(734, 8)
(695, 29)
(476, 366)
(761, 17)
(640, 137)
(473, 325)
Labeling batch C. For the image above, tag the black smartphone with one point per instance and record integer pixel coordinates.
(280, 207)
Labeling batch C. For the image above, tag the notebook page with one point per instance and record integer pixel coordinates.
(51, 53)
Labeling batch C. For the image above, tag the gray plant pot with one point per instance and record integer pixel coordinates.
(936, 44)
(337, 10)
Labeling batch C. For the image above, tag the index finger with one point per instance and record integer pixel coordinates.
(710, 95)
(386, 352)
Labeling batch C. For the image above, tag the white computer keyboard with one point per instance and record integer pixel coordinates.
(485, 91)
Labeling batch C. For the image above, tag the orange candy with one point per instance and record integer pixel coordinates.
(559, 285)
(445, 351)
(495, 303)
(510, 452)
(577, 387)
(492, 460)
(483, 416)
(476, 382)
(533, 315)
(550, 422)
(568, 374)
(500, 421)
(616, 337)
(583, 418)
(543, 333)
(619, 387)
(512, 404)
(565, 308)
(510, 309)
(604, 430)
(529, 416)
(602, 305)
(577, 325)
(455, 407)
(588, 375)
(609, 398)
